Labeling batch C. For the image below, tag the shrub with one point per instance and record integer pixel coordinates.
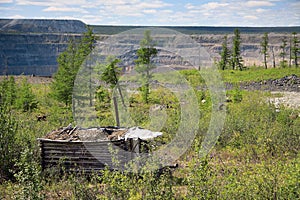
(29, 177)
(8, 145)
(8, 91)
(26, 100)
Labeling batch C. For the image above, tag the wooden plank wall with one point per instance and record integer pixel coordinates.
(83, 156)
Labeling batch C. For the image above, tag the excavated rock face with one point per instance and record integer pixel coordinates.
(31, 47)
(41, 26)
(250, 46)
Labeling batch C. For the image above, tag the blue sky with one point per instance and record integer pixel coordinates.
(159, 12)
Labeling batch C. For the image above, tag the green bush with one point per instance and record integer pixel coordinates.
(26, 100)
(8, 90)
(29, 178)
(8, 145)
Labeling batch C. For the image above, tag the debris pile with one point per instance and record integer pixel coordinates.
(287, 81)
(97, 134)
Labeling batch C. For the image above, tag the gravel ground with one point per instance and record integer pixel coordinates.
(289, 99)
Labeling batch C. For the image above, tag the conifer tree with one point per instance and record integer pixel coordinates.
(69, 63)
(283, 52)
(143, 64)
(264, 44)
(236, 52)
(295, 48)
(224, 54)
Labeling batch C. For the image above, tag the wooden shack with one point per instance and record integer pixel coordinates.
(88, 150)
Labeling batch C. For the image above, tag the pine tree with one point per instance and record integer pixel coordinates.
(236, 52)
(224, 55)
(143, 64)
(264, 44)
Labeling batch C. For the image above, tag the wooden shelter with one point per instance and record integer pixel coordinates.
(88, 150)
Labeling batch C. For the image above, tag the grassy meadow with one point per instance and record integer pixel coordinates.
(255, 157)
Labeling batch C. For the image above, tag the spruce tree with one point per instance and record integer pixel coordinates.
(264, 44)
(236, 52)
(295, 48)
(69, 63)
(224, 54)
(283, 52)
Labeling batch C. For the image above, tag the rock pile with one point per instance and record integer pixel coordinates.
(288, 83)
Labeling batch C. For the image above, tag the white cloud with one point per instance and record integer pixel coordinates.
(131, 8)
(64, 9)
(6, 8)
(260, 10)
(68, 17)
(150, 11)
(92, 19)
(6, 1)
(16, 17)
(236, 13)
(190, 6)
(152, 4)
(37, 3)
(161, 12)
(51, 2)
(166, 11)
(251, 17)
(214, 5)
(258, 3)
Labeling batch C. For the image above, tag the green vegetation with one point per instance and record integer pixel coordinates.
(264, 45)
(253, 74)
(256, 74)
(236, 52)
(143, 64)
(283, 62)
(295, 49)
(233, 60)
(69, 63)
(256, 157)
(225, 55)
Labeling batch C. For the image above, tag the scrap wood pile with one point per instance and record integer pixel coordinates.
(70, 133)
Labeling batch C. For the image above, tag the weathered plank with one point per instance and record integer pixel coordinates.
(84, 156)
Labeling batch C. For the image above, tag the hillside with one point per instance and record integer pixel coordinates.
(31, 47)
(110, 30)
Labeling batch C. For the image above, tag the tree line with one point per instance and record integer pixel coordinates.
(232, 59)
(70, 61)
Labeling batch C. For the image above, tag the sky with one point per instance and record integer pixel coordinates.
(159, 12)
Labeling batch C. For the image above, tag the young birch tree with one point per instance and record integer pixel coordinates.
(143, 64)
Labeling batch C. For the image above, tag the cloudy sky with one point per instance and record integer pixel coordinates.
(160, 12)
